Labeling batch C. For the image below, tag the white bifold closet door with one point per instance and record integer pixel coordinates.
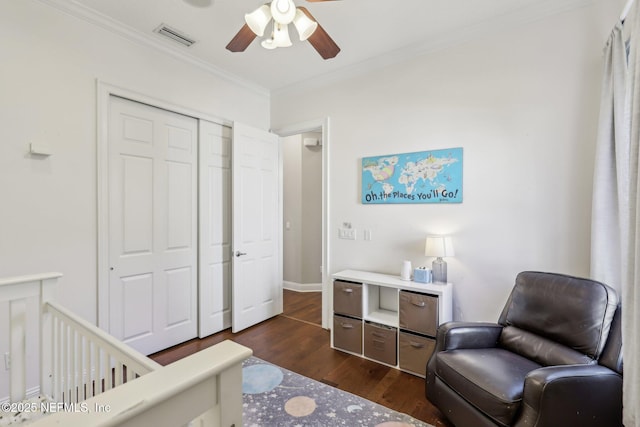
(257, 227)
(152, 225)
(240, 227)
(194, 226)
(215, 228)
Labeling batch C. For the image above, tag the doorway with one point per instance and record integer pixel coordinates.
(302, 197)
(316, 133)
(302, 234)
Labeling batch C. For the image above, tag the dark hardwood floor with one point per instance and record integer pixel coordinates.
(296, 342)
(305, 306)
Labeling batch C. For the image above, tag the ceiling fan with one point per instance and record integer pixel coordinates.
(283, 13)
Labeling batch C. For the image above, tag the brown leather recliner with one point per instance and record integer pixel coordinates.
(554, 359)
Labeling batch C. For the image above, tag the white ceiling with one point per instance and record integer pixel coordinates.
(370, 33)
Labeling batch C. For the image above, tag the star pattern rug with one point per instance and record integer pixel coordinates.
(276, 397)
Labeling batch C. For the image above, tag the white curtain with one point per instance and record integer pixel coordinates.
(616, 202)
(611, 156)
(631, 233)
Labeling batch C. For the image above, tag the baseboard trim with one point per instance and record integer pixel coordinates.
(30, 393)
(302, 287)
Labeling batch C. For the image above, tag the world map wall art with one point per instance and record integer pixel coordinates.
(423, 177)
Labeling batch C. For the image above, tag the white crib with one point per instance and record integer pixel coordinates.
(92, 379)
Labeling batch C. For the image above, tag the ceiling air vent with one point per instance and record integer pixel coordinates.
(174, 35)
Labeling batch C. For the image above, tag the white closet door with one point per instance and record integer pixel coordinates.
(215, 228)
(152, 225)
(257, 233)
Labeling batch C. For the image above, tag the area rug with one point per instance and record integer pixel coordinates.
(274, 397)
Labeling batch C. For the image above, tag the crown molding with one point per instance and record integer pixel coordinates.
(532, 13)
(93, 17)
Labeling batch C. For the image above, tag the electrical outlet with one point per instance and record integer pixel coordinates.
(347, 233)
(7, 361)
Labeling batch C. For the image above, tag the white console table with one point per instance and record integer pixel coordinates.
(386, 319)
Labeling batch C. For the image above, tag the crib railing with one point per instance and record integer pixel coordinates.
(83, 360)
(81, 363)
(78, 360)
(201, 390)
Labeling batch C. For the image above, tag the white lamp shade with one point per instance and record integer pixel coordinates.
(283, 11)
(439, 246)
(281, 35)
(258, 19)
(304, 25)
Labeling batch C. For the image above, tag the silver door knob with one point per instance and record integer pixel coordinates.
(238, 253)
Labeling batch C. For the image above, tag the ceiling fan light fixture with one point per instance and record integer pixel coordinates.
(268, 44)
(258, 19)
(281, 35)
(283, 11)
(304, 25)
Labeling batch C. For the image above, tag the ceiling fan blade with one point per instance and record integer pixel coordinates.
(320, 40)
(241, 40)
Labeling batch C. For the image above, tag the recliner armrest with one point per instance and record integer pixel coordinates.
(576, 395)
(456, 335)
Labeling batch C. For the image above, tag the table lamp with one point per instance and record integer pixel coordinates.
(439, 246)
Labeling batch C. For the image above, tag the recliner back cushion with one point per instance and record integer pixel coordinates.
(539, 349)
(557, 310)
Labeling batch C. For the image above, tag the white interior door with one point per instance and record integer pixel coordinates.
(215, 228)
(152, 225)
(257, 236)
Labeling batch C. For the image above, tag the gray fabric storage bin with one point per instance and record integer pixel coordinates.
(419, 312)
(414, 352)
(347, 334)
(380, 343)
(347, 298)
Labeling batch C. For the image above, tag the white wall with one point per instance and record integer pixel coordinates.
(311, 210)
(292, 210)
(523, 103)
(50, 62)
